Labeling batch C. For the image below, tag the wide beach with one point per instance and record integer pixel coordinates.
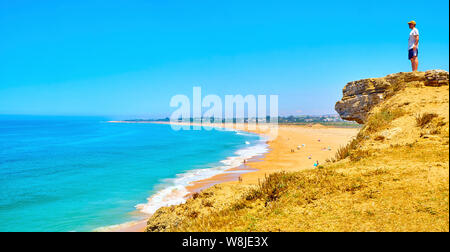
(292, 148)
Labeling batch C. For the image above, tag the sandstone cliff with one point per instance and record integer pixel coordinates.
(360, 96)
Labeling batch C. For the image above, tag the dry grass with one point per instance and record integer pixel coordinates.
(424, 119)
(272, 187)
(345, 151)
(381, 119)
(372, 194)
(352, 150)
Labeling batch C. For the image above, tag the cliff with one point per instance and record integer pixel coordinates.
(359, 97)
(393, 176)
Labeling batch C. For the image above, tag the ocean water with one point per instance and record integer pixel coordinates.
(81, 174)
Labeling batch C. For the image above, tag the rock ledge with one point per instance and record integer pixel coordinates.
(360, 96)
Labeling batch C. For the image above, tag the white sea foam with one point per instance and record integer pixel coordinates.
(176, 193)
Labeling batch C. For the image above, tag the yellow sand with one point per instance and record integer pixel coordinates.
(319, 143)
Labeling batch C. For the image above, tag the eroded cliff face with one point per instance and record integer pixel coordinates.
(360, 96)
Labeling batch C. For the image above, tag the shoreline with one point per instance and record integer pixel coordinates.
(228, 175)
(313, 143)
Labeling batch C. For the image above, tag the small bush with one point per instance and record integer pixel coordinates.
(345, 151)
(381, 119)
(424, 119)
(272, 187)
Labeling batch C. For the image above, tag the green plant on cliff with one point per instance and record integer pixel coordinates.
(382, 118)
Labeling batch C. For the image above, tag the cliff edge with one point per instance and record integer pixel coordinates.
(359, 97)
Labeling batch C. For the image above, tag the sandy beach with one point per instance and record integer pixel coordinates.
(308, 143)
(292, 148)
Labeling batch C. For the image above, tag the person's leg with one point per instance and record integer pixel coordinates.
(411, 58)
(416, 63)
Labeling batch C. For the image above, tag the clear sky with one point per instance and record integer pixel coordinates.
(128, 58)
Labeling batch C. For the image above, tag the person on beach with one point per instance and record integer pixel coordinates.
(413, 45)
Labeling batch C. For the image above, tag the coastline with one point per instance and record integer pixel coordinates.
(232, 168)
(309, 144)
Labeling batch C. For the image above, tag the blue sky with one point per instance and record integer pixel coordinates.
(128, 58)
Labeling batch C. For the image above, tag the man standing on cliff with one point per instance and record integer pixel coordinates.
(413, 45)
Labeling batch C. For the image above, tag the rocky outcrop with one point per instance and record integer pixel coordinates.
(436, 78)
(360, 96)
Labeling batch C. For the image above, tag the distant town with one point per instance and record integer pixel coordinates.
(331, 120)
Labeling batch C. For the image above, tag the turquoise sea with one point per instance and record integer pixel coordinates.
(83, 173)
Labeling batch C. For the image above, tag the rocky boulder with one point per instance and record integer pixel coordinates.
(360, 96)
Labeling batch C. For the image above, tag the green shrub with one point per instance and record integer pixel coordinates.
(382, 119)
